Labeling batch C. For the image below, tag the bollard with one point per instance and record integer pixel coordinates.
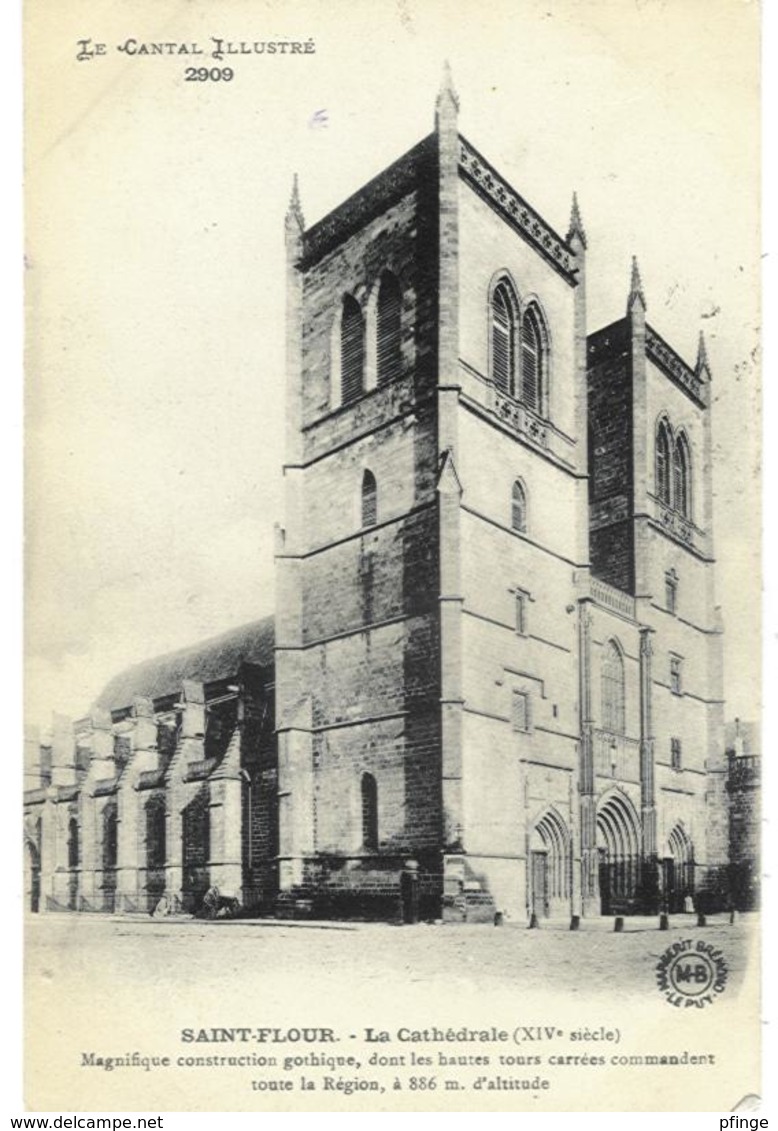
(498, 917)
(701, 920)
(575, 922)
(664, 921)
(533, 920)
(618, 924)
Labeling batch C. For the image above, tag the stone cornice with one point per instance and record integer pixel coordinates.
(674, 367)
(515, 210)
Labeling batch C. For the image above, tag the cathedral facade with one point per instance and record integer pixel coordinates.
(493, 683)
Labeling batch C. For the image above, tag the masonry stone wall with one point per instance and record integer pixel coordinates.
(369, 658)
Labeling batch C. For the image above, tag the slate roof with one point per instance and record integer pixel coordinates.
(216, 658)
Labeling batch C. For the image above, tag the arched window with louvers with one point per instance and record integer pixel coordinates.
(682, 476)
(504, 321)
(534, 360)
(389, 329)
(662, 450)
(352, 350)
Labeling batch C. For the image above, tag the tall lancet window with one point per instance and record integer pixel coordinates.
(663, 463)
(110, 836)
(531, 361)
(352, 350)
(682, 496)
(613, 689)
(155, 833)
(389, 330)
(369, 499)
(73, 848)
(503, 338)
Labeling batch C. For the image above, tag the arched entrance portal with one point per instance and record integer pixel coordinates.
(618, 842)
(549, 866)
(678, 870)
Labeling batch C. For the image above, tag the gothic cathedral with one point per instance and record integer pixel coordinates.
(494, 681)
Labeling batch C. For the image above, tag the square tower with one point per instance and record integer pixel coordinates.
(357, 644)
(651, 537)
(436, 516)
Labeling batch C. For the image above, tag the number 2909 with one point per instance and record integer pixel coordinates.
(206, 74)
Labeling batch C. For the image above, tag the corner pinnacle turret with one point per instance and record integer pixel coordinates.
(576, 228)
(294, 213)
(702, 368)
(447, 102)
(635, 289)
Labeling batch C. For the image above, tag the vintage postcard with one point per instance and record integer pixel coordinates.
(393, 556)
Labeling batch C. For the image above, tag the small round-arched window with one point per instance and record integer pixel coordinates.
(519, 507)
(369, 499)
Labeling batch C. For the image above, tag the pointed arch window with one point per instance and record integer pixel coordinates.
(110, 836)
(369, 812)
(531, 361)
(155, 833)
(352, 350)
(663, 463)
(519, 507)
(613, 689)
(73, 846)
(503, 338)
(682, 477)
(389, 329)
(369, 499)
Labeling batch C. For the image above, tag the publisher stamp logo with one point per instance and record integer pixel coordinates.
(692, 973)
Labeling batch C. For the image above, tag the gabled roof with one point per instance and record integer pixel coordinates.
(216, 658)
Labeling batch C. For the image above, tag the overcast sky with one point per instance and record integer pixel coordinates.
(155, 270)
